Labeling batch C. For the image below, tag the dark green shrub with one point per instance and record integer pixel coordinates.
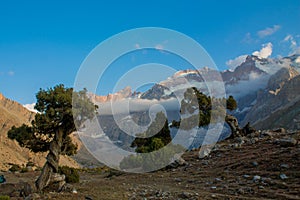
(4, 197)
(72, 175)
(30, 164)
(15, 168)
(24, 170)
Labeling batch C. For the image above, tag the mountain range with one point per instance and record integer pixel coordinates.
(266, 89)
(262, 87)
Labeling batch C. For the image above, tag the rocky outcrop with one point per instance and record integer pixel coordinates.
(124, 93)
(278, 104)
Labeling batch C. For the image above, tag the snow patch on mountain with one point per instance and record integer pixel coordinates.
(271, 66)
(232, 64)
(30, 107)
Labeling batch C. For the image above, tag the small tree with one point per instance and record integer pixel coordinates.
(147, 142)
(231, 103)
(52, 126)
(195, 100)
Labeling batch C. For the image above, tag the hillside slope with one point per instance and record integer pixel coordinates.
(14, 114)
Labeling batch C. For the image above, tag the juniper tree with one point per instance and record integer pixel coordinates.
(51, 128)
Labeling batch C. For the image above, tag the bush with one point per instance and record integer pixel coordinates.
(15, 168)
(24, 170)
(30, 164)
(72, 175)
(4, 197)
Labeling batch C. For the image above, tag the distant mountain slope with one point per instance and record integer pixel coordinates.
(260, 86)
(14, 114)
(278, 109)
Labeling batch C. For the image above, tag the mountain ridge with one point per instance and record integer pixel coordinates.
(247, 83)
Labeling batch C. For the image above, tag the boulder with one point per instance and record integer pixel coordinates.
(287, 142)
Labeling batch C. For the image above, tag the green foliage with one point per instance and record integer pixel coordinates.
(210, 109)
(15, 168)
(148, 144)
(23, 135)
(55, 113)
(72, 175)
(4, 197)
(155, 137)
(192, 102)
(24, 170)
(231, 103)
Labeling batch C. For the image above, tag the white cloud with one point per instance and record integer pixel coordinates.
(268, 31)
(232, 64)
(265, 51)
(243, 88)
(136, 105)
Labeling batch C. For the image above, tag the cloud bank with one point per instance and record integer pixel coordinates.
(265, 51)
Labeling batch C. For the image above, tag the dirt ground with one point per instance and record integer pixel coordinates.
(263, 167)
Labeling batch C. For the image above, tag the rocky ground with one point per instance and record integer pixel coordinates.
(265, 165)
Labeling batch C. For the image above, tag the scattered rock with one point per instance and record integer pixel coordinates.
(74, 191)
(283, 176)
(286, 166)
(185, 195)
(241, 191)
(240, 140)
(178, 179)
(218, 179)
(267, 133)
(178, 161)
(254, 163)
(261, 187)
(286, 142)
(256, 178)
(246, 176)
(205, 162)
(204, 151)
(279, 130)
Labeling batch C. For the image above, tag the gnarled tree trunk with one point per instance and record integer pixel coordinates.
(234, 126)
(52, 160)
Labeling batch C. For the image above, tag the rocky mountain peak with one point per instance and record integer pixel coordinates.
(280, 78)
(1, 97)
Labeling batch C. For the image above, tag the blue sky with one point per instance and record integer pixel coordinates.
(43, 43)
